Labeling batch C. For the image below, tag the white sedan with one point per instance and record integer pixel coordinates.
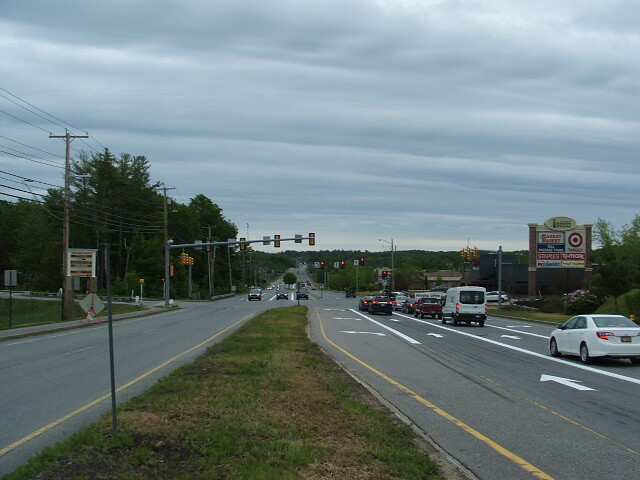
(493, 296)
(592, 336)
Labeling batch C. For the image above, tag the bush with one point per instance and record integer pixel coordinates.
(582, 301)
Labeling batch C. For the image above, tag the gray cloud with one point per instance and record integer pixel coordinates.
(428, 122)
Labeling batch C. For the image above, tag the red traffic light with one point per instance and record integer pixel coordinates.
(342, 264)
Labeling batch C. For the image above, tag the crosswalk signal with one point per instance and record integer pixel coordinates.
(172, 270)
(276, 241)
(312, 239)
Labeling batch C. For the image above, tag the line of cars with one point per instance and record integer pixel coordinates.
(586, 336)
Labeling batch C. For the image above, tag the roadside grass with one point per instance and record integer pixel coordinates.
(265, 403)
(628, 304)
(558, 318)
(28, 312)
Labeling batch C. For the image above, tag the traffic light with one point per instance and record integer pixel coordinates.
(343, 264)
(207, 248)
(322, 265)
(276, 241)
(475, 252)
(312, 239)
(243, 246)
(463, 253)
(184, 258)
(385, 274)
(361, 262)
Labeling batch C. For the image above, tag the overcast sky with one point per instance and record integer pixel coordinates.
(430, 122)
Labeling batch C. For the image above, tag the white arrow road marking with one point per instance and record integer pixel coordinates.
(564, 381)
(510, 336)
(394, 320)
(367, 333)
(437, 335)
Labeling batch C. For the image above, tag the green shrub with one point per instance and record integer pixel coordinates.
(582, 301)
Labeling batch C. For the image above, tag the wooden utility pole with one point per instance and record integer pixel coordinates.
(67, 287)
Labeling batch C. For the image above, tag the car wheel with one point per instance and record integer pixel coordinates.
(553, 348)
(584, 354)
(442, 319)
(481, 323)
(635, 360)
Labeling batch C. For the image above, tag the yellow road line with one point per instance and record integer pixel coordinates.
(522, 463)
(33, 435)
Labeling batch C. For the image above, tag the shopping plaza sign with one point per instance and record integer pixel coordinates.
(560, 243)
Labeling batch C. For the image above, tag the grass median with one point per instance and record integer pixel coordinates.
(265, 403)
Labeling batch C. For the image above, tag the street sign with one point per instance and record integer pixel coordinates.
(10, 278)
(91, 304)
(81, 262)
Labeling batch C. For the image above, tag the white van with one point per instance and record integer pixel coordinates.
(468, 304)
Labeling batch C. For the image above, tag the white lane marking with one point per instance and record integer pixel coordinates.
(534, 354)
(366, 333)
(517, 331)
(82, 349)
(510, 336)
(565, 381)
(437, 335)
(517, 326)
(347, 318)
(395, 332)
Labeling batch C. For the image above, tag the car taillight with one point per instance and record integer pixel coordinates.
(604, 335)
(375, 301)
(457, 306)
(390, 303)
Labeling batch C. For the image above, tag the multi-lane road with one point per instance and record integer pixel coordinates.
(491, 397)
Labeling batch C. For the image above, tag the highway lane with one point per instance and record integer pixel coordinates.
(480, 393)
(54, 384)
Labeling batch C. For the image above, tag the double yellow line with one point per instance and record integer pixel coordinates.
(40, 431)
(522, 463)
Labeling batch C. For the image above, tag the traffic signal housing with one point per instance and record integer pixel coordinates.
(276, 241)
(343, 264)
(323, 265)
(361, 262)
(312, 239)
(385, 274)
(243, 246)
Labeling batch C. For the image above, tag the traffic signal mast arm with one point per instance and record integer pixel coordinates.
(298, 239)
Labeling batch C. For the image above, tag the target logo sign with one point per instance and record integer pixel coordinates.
(575, 240)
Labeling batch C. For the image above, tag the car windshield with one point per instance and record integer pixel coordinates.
(613, 322)
(471, 297)
(255, 290)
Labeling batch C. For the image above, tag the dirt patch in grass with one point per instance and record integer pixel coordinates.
(264, 404)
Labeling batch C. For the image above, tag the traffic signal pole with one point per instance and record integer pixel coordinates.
(242, 243)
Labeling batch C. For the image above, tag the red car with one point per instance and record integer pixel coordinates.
(428, 306)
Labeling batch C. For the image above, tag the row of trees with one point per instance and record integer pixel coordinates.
(113, 201)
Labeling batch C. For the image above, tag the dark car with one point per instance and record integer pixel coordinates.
(409, 305)
(364, 302)
(302, 293)
(280, 293)
(350, 293)
(255, 294)
(381, 304)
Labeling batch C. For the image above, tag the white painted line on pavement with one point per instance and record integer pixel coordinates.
(395, 332)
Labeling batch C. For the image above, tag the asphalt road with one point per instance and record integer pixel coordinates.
(491, 397)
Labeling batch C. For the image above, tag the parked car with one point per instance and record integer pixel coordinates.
(493, 296)
(255, 294)
(409, 305)
(398, 301)
(381, 304)
(364, 302)
(428, 306)
(302, 293)
(590, 336)
(281, 293)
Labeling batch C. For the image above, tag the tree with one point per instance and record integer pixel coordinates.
(289, 278)
(616, 272)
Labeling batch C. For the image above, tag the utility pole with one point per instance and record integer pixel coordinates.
(209, 265)
(67, 288)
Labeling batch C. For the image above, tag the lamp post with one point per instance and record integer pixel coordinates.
(393, 272)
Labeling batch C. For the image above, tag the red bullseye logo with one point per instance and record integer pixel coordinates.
(575, 239)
